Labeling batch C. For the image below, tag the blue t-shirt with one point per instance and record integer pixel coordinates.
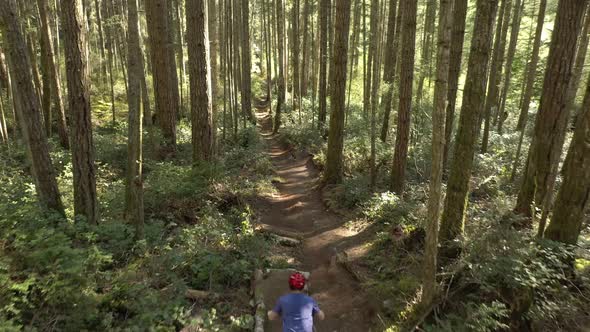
(297, 312)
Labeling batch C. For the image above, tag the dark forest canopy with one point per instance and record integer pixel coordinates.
(158, 156)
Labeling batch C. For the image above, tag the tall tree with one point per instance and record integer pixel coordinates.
(110, 47)
(580, 62)
(515, 30)
(375, 77)
(531, 69)
(304, 61)
(390, 63)
(214, 48)
(531, 74)
(574, 195)
(200, 78)
(166, 107)
(295, 56)
(246, 63)
(457, 40)
(280, 20)
(30, 113)
(97, 10)
(551, 123)
(52, 82)
(438, 142)
(134, 206)
(85, 200)
(427, 46)
(324, 11)
(334, 170)
(492, 98)
(400, 155)
(471, 109)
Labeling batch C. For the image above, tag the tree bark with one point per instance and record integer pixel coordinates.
(166, 108)
(304, 61)
(531, 70)
(246, 63)
(134, 207)
(110, 47)
(574, 195)
(295, 56)
(425, 65)
(551, 123)
(375, 76)
(438, 142)
(580, 62)
(200, 78)
(214, 49)
(85, 200)
(492, 101)
(457, 40)
(103, 68)
(472, 105)
(400, 155)
(322, 94)
(334, 164)
(53, 82)
(390, 64)
(502, 114)
(30, 113)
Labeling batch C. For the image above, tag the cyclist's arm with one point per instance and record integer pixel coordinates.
(320, 315)
(272, 315)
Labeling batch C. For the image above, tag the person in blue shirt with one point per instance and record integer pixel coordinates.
(297, 309)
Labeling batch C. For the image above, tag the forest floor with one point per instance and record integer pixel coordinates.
(297, 208)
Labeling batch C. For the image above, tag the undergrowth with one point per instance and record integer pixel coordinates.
(60, 274)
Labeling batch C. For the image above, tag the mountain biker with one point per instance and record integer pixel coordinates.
(296, 308)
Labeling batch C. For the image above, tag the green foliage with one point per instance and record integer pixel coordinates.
(71, 276)
(388, 208)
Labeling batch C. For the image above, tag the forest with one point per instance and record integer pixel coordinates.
(165, 165)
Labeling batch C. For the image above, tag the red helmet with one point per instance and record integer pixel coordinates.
(297, 281)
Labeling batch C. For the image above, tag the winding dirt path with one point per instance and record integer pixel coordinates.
(298, 208)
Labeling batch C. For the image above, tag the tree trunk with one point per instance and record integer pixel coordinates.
(110, 62)
(166, 108)
(103, 68)
(580, 62)
(400, 155)
(425, 65)
(214, 48)
(246, 63)
(502, 114)
(334, 167)
(438, 142)
(304, 62)
(30, 114)
(134, 207)
(85, 200)
(175, 93)
(280, 20)
(492, 97)
(391, 52)
(200, 78)
(574, 195)
(53, 82)
(295, 56)
(457, 39)
(551, 123)
(472, 105)
(324, 12)
(375, 76)
(531, 70)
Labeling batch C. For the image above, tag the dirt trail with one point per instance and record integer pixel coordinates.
(298, 208)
